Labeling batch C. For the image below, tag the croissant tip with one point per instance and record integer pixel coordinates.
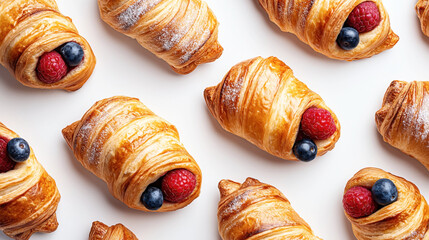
(68, 132)
(50, 225)
(227, 187)
(98, 230)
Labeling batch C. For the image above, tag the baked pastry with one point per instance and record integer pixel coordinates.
(422, 9)
(261, 101)
(335, 28)
(136, 153)
(28, 195)
(33, 39)
(255, 210)
(100, 231)
(182, 33)
(403, 119)
(407, 217)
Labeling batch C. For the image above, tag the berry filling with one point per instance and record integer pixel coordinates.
(6, 164)
(365, 17)
(361, 202)
(54, 66)
(316, 124)
(174, 187)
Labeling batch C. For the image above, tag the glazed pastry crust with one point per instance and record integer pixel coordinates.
(422, 9)
(258, 211)
(405, 219)
(403, 119)
(318, 23)
(184, 33)
(100, 231)
(29, 28)
(28, 197)
(261, 101)
(129, 147)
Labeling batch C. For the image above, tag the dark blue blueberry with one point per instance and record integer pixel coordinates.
(18, 149)
(152, 198)
(305, 150)
(348, 38)
(384, 192)
(72, 53)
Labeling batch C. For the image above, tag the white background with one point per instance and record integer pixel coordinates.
(354, 90)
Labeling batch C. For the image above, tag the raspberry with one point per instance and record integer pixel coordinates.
(51, 67)
(358, 202)
(365, 17)
(6, 163)
(177, 185)
(318, 124)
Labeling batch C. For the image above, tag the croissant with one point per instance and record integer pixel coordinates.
(261, 101)
(30, 28)
(422, 10)
(407, 218)
(319, 23)
(126, 145)
(181, 32)
(255, 210)
(100, 231)
(403, 119)
(28, 196)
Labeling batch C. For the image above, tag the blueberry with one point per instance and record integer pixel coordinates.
(152, 198)
(348, 38)
(18, 149)
(384, 192)
(305, 150)
(72, 53)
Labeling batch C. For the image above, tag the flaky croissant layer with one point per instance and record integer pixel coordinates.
(184, 33)
(403, 119)
(405, 219)
(100, 231)
(129, 147)
(261, 101)
(319, 22)
(422, 9)
(29, 197)
(258, 211)
(30, 28)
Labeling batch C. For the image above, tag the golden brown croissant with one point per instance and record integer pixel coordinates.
(181, 32)
(407, 218)
(257, 211)
(261, 101)
(100, 231)
(403, 119)
(318, 24)
(28, 197)
(30, 28)
(126, 145)
(422, 9)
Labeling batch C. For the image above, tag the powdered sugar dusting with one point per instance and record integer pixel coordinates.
(132, 14)
(194, 45)
(230, 94)
(235, 205)
(417, 118)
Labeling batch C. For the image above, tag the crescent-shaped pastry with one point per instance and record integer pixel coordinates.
(422, 9)
(129, 147)
(403, 119)
(30, 28)
(258, 211)
(318, 24)
(28, 197)
(261, 101)
(100, 231)
(407, 218)
(184, 33)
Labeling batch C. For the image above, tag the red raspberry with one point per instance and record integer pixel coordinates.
(318, 124)
(51, 67)
(365, 17)
(177, 185)
(358, 202)
(6, 163)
